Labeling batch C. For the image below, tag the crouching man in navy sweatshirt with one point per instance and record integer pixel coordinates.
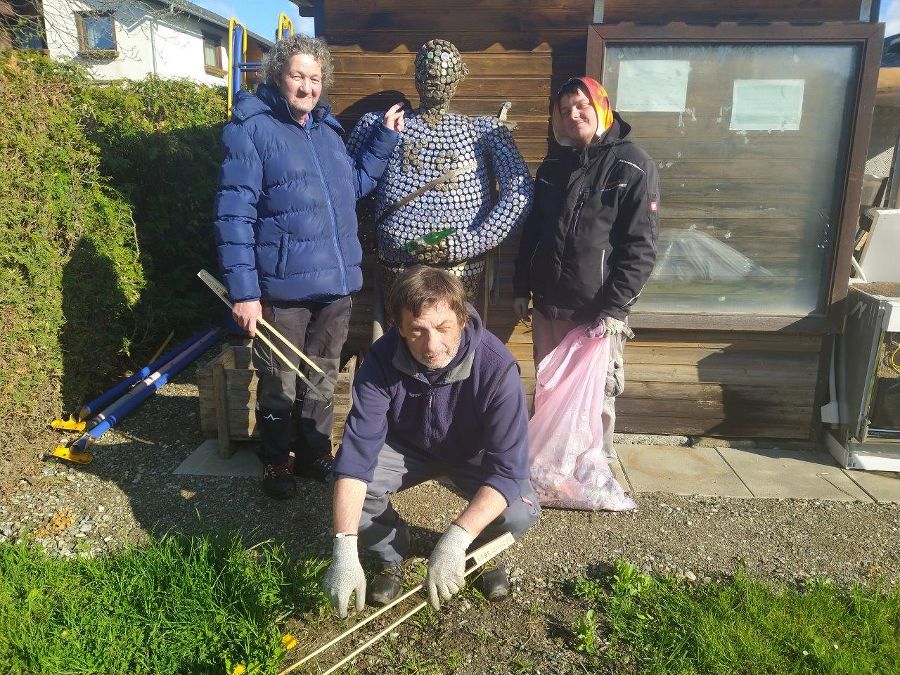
(437, 397)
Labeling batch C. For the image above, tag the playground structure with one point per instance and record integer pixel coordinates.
(238, 65)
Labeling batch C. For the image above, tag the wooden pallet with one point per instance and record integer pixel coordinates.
(227, 387)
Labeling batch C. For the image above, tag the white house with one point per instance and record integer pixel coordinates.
(131, 39)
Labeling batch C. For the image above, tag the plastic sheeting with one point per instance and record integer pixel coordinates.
(568, 467)
(691, 255)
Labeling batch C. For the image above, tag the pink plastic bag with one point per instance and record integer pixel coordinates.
(568, 468)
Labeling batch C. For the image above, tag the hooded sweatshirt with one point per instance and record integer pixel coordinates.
(473, 413)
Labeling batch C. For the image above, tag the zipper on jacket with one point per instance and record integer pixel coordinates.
(429, 407)
(331, 210)
(582, 198)
(602, 268)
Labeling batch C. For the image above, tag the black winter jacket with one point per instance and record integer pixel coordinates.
(589, 244)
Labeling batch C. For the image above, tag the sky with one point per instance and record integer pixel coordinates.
(259, 16)
(890, 14)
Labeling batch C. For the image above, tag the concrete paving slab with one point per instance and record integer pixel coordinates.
(683, 471)
(882, 486)
(793, 474)
(205, 461)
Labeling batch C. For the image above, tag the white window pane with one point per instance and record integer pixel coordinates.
(210, 53)
(750, 170)
(99, 32)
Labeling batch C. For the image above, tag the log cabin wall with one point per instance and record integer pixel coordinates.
(700, 382)
(711, 11)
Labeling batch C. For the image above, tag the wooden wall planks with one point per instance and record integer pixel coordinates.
(706, 382)
(713, 11)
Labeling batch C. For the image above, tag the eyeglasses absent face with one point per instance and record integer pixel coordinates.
(579, 119)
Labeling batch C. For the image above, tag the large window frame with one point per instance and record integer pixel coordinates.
(84, 48)
(213, 42)
(868, 39)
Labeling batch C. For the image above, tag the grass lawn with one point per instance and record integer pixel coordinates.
(647, 624)
(192, 605)
(176, 605)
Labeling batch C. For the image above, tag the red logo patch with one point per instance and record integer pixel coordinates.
(654, 206)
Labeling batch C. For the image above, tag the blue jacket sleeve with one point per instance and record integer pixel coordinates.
(370, 146)
(240, 184)
(506, 447)
(366, 427)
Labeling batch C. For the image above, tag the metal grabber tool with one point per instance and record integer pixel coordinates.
(480, 556)
(216, 287)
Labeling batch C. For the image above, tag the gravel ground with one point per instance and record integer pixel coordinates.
(129, 491)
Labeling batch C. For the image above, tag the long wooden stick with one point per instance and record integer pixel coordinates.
(480, 555)
(216, 287)
(208, 278)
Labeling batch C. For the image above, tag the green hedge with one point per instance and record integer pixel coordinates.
(105, 205)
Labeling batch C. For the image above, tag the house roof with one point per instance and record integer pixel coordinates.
(890, 54)
(184, 7)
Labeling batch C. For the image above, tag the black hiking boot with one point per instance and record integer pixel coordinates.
(278, 483)
(385, 587)
(493, 582)
(319, 469)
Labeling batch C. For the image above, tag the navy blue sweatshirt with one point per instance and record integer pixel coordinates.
(474, 413)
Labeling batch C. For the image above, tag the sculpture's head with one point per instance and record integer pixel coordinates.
(439, 70)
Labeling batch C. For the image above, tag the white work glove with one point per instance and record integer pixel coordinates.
(345, 576)
(447, 565)
(606, 325)
(520, 308)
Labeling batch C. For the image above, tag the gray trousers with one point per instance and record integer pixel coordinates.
(547, 333)
(290, 416)
(384, 534)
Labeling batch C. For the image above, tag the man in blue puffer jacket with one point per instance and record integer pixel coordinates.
(286, 234)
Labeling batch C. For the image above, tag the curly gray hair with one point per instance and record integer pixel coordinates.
(276, 61)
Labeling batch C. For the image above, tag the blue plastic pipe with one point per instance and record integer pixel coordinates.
(88, 408)
(237, 51)
(109, 417)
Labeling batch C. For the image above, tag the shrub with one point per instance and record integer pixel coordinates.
(106, 197)
(69, 269)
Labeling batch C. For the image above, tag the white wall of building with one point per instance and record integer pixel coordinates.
(149, 40)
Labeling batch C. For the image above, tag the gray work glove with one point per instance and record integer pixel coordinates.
(447, 565)
(606, 325)
(520, 308)
(345, 576)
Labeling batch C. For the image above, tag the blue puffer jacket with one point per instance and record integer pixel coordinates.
(286, 206)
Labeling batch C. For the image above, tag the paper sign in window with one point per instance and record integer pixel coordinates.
(767, 105)
(652, 85)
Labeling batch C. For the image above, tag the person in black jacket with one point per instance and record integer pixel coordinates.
(589, 244)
